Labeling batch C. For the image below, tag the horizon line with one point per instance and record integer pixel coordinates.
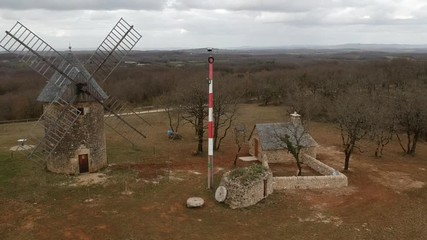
(371, 46)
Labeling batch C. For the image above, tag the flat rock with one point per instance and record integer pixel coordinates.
(248, 159)
(21, 148)
(195, 202)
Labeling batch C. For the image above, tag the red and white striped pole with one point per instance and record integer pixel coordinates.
(210, 124)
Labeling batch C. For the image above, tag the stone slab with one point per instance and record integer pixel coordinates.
(248, 159)
(195, 202)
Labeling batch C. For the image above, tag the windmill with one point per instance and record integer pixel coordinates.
(73, 140)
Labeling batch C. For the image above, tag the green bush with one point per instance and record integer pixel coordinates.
(248, 174)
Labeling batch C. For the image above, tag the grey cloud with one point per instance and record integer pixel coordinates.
(266, 5)
(226, 23)
(83, 4)
(317, 12)
(373, 14)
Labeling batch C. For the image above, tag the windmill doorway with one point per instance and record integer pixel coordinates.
(83, 163)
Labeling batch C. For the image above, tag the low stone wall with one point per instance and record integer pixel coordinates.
(317, 165)
(309, 182)
(277, 156)
(331, 178)
(239, 196)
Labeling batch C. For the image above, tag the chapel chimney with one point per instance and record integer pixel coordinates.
(295, 118)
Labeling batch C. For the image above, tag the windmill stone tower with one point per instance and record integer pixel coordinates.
(83, 147)
(75, 108)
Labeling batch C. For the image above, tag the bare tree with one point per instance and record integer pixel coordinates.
(194, 109)
(353, 121)
(269, 89)
(293, 136)
(401, 73)
(303, 101)
(411, 115)
(173, 108)
(224, 113)
(295, 151)
(267, 94)
(382, 123)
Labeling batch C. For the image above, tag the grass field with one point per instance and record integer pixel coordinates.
(143, 192)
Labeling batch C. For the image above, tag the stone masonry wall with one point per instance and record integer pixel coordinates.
(317, 165)
(277, 156)
(310, 151)
(239, 196)
(329, 180)
(86, 136)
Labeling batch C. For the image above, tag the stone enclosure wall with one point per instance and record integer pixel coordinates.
(330, 179)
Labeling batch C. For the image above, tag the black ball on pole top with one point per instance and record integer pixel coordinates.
(210, 59)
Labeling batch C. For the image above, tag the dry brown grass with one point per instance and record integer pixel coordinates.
(163, 174)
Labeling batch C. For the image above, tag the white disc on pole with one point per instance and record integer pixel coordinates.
(221, 194)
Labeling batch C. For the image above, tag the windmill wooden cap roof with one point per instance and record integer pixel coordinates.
(52, 90)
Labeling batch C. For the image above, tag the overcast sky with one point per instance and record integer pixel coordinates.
(170, 24)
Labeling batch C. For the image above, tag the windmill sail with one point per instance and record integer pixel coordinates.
(118, 43)
(37, 54)
(45, 60)
(55, 123)
(68, 76)
(121, 109)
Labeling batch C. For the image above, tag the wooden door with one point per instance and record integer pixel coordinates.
(83, 163)
(256, 146)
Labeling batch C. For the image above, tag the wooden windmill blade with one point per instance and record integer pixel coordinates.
(121, 116)
(37, 54)
(45, 60)
(118, 43)
(56, 122)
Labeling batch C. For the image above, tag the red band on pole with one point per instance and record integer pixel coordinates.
(211, 69)
(211, 100)
(210, 132)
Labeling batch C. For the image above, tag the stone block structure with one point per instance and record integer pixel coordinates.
(267, 145)
(241, 194)
(83, 148)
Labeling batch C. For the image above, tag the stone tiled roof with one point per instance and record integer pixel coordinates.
(51, 91)
(271, 135)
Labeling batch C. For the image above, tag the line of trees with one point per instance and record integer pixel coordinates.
(370, 99)
(381, 101)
